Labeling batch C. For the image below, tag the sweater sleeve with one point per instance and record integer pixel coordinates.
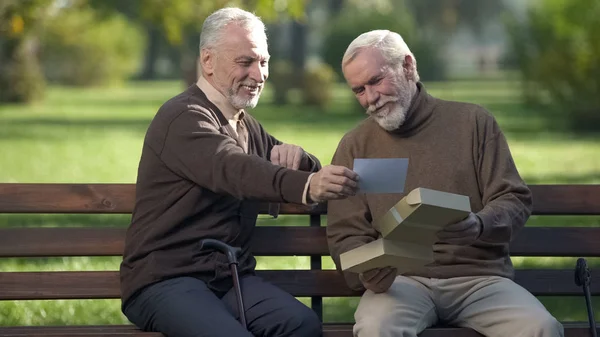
(506, 198)
(348, 220)
(196, 150)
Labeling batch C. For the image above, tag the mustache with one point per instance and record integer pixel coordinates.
(382, 101)
(250, 84)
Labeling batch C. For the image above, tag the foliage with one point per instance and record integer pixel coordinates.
(174, 18)
(446, 16)
(21, 79)
(556, 49)
(355, 20)
(318, 85)
(80, 48)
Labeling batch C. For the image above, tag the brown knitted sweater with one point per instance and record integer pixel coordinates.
(452, 147)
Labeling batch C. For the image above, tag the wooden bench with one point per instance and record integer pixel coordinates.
(269, 241)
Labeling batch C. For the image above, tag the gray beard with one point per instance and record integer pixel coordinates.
(396, 118)
(242, 103)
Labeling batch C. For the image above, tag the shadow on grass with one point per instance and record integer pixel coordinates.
(59, 129)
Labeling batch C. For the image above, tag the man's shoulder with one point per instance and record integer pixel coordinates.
(358, 132)
(186, 103)
(464, 109)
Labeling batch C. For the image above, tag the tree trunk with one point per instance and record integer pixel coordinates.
(298, 50)
(21, 76)
(152, 53)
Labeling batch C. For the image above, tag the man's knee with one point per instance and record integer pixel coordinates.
(375, 327)
(309, 324)
(383, 324)
(303, 323)
(542, 324)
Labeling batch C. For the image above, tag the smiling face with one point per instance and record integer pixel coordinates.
(383, 90)
(238, 66)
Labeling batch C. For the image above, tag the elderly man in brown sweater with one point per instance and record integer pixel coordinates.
(453, 147)
(205, 164)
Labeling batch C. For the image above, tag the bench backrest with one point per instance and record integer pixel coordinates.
(306, 240)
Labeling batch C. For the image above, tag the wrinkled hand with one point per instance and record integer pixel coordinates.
(378, 280)
(332, 182)
(287, 155)
(463, 232)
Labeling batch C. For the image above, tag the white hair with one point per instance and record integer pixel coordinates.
(390, 44)
(212, 29)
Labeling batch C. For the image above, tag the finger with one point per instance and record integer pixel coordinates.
(383, 273)
(445, 235)
(297, 158)
(369, 274)
(346, 191)
(275, 155)
(343, 191)
(343, 181)
(343, 171)
(334, 188)
(458, 241)
(349, 173)
(457, 227)
(289, 161)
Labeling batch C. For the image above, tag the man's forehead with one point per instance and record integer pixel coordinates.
(242, 41)
(363, 67)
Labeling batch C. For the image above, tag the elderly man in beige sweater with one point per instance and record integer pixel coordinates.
(453, 147)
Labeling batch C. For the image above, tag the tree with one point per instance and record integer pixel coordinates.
(21, 78)
(556, 49)
(179, 22)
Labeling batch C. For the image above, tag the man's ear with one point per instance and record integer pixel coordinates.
(409, 67)
(207, 61)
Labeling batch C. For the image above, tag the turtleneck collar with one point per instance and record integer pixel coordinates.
(419, 113)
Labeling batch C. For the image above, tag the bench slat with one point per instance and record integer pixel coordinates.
(566, 199)
(270, 241)
(301, 283)
(92, 198)
(119, 198)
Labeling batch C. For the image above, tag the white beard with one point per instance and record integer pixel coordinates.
(240, 102)
(400, 103)
(393, 119)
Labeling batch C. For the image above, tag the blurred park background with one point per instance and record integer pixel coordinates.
(80, 81)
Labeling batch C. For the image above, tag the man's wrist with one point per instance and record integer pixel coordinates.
(306, 199)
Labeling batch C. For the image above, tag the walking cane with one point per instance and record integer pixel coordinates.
(583, 279)
(232, 254)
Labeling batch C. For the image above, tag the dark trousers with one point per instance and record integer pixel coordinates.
(185, 306)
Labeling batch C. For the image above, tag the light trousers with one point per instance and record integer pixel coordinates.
(493, 306)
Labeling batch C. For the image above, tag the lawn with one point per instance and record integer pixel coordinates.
(95, 136)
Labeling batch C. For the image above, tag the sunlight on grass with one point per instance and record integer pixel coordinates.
(61, 312)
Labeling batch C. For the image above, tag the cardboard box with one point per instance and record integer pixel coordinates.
(420, 214)
(383, 253)
(408, 231)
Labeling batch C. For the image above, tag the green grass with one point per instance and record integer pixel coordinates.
(95, 136)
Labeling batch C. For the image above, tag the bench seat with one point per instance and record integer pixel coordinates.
(329, 330)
